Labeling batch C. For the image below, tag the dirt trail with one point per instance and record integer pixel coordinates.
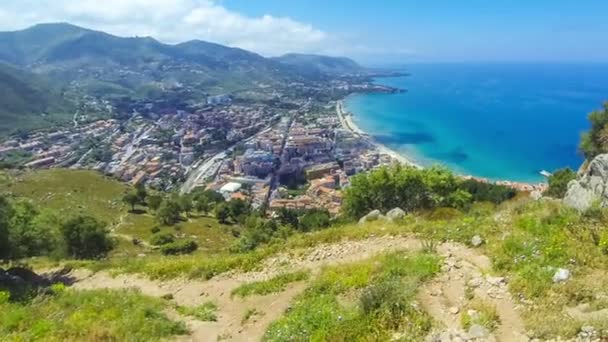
(440, 295)
(446, 297)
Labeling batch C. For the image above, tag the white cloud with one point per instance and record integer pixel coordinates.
(175, 21)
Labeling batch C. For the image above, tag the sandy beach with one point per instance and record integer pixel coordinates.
(347, 122)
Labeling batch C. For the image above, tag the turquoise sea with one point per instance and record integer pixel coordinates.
(497, 121)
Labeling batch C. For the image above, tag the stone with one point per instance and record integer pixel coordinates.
(475, 282)
(476, 241)
(590, 187)
(374, 215)
(561, 275)
(454, 310)
(536, 195)
(495, 281)
(478, 331)
(395, 214)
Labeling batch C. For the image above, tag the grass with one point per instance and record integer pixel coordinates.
(386, 286)
(100, 315)
(481, 313)
(273, 285)
(249, 314)
(206, 312)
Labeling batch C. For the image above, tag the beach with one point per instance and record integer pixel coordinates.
(348, 124)
(346, 119)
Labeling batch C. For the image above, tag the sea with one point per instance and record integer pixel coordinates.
(497, 121)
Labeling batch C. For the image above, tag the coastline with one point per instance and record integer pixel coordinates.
(346, 119)
(347, 122)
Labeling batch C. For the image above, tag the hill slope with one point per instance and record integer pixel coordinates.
(28, 101)
(321, 64)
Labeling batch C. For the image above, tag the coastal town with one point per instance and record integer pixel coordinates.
(267, 155)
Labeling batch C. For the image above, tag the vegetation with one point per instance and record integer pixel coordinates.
(69, 315)
(86, 238)
(275, 284)
(595, 141)
(385, 285)
(179, 247)
(205, 312)
(412, 189)
(558, 182)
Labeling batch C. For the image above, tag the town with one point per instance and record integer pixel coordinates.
(294, 153)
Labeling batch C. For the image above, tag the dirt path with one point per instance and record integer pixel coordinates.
(438, 297)
(465, 276)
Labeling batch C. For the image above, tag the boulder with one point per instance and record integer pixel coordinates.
(476, 241)
(561, 275)
(374, 215)
(536, 195)
(479, 332)
(590, 187)
(395, 214)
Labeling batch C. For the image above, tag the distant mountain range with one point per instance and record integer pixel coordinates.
(99, 64)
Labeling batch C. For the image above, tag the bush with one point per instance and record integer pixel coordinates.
(179, 247)
(160, 239)
(558, 182)
(86, 238)
(169, 212)
(595, 141)
(488, 192)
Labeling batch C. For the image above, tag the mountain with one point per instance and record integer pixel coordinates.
(321, 64)
(28, 101)
(102, 63)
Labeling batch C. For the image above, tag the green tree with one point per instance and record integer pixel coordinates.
(32, 233)
(185, 203)
(6, 212)
(558, 182)
(131, 199)
(154, 201)
(202, 205)
(222, 213)
(314, 220)
(86, 238)
(595, 141)
(238, 209)
(141, 193)
(169, 212)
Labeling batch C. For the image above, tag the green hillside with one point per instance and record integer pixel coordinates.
(316, 64)
(28, 102)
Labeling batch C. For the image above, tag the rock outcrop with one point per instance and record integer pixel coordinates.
(591, 187)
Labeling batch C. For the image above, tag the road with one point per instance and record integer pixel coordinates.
(210, 166)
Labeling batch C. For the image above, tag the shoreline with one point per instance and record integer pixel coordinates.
(347, 122)
(346, 119)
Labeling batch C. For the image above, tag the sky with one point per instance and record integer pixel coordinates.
(370, 31)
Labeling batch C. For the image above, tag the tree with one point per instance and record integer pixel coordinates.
(32, 233)
(202, 205)
(314, 219)
(6, 211)
(238, 209)
(86, 238)
(141, 193)
(154, 201)
(185, 203)
(595, 141)
(169, 212)
(131, 199)
(558, 182)
(222, 213)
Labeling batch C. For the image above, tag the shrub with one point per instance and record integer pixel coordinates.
(205, 312)
(179, 247)
(160, 239)
(169, 212)
(558, 182)
(86, 238)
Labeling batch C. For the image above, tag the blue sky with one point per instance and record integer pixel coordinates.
(387, 31)
(470, 30)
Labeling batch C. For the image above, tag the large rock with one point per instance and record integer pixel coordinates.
(591, 187)
(374, 215)
(561, 275)
(395, 214)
